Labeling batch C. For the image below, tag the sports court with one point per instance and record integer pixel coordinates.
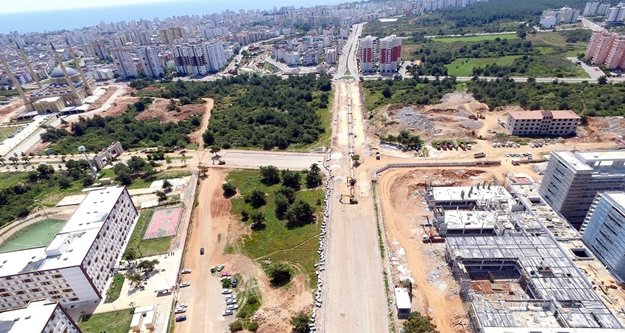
(36, 235)
(164, 223)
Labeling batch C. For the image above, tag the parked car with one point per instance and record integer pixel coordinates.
(228, 312)
(181, 318)
(180, 310)
(186, 271)
(184, 284)
(213, 269)
(234, 282)
(202, 251)
(220, 268)
(233, 307)
(226, 291)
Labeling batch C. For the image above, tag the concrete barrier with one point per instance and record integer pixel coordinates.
(437, 164)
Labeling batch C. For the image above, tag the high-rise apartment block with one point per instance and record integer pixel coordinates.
(559, 123)
(390, 54)
(604, 231)
(366, 54)
(100, 49)
(572, 180)
(171, 35)
(151, 63)
(616, 15)
(38, 317)
(199, 59)
(595, 8)
(126, 68)
(75, 267)
(606, 48)
(216, 56)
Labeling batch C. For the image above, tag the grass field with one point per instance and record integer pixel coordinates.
(474, 38)
(145, 183)
(109, 322)
(6, 132)
(146, 247)
(115, 288)
(11, 178)
(36, 235)
(276, 242)
(464, 66)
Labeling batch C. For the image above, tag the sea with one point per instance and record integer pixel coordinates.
(48, 21)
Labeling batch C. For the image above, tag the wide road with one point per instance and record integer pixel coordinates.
(243, 159)
(354, 298)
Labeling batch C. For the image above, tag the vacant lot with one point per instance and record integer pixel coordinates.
(109, 322)
(277, 242)
(479, 38)
(6, 132)
(464, 66)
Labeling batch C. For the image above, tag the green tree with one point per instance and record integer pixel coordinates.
(282, 205)
(300, 323)
(418, 323)
(291, 179)
(167, 186)
(258, 220)
(162, 196)
(270, 175)
(602, 80)
(148, 265)
(137, 164)
(229, 189)
(313, 178)
(257, 198)
(134, 278)
(287, 192)
(299, 214)
(387, 92)
(130, 255)
(279, 274)
(209, 138)
(64, 182)
(45, 171)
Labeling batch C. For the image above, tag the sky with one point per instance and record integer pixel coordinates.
(46, 5)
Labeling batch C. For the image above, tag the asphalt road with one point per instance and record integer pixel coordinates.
(254, 159)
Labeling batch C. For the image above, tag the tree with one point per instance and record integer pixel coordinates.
(279, 274)
(229, 189)
(45, 170)
(244, 215)
(291, 179)
(282, 205)
(313, 178)
(64, 182)
(602, 80)
(130, 255)
(208, 137)
(300, 323)
(171, 106)
(122, 172)
(137, 164)
(161, 195)
(418, 323)
(257, 198)
(387, 92)
(134, 278)
(258, 220)
(270, 175)
(299, 214)
(287, 192)
(215, 149)
(167, 186)
(147, 265)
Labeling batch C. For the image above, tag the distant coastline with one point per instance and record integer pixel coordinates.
(84, 17)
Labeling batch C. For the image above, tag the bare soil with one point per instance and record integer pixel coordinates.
(110, 90)
(158, 110)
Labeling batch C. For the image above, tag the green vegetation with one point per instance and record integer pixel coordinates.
(477, 38)
(300, 323)
(21, 193)
(583, 98)
(6, 132)
(110, 322)
(542, 54)
(99, 132)
(416, 91)
(251, 302)
(418, 323)
(6, 93)
(405, 139)
(138, 247)
(115, 288)
(274, 239)
(279, 274)
(263, 112)
(38, 234)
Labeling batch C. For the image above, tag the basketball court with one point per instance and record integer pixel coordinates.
(164, 223)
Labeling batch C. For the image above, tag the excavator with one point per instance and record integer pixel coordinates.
(351, 182)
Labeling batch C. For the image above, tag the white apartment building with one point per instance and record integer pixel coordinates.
(616, 14)
(330, 56)
(74, 269)
(604, 231)
(126, 68)
(591, 8)
(199, 59)
(38, 317)
(558, 123)
(366, 54)
(152, 65)
(216, 56)
(572, 180)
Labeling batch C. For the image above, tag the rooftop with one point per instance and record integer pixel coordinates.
(481, 194)
(32, 318)
(402, 298)
(540, 114)
(71, 244)
(470, 220)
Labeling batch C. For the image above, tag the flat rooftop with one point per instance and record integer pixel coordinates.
(617, 199)
(572, 160)
(32, 318)
(71, 244)
(481, 194)
(475, 220)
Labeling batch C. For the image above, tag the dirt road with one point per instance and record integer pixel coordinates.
(197, 135)
(354, 297)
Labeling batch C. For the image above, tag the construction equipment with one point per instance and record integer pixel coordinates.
(351, 182)
(432, 237)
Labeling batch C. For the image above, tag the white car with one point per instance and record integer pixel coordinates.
(184, 284)
(227, 313)
(230, 301)
(226, 291)
(186, 271)
(182, 305)
(180, 310)
(233, 307)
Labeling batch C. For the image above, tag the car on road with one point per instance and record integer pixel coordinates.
(220, 268)
(227, 312)
(202, 251)
(226, 291)
(182, 305)
(186, 271)
(184, 284)
(181, 318)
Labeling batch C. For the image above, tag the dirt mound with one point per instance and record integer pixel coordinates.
(158, 110)
(282, 304)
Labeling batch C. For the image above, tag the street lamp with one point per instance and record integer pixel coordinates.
(83, 150)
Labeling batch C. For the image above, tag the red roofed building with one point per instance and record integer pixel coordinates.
(552, 123)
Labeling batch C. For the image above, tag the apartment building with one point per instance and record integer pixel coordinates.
(366, 54)
(199, 59)
(573, 179)
(124, 63)
(216, 56)
(558, 16)
(75, 267)
(151, 63)
(560, 123)
(606, 48)
(38, 317)
(616, 56)
(604, 231)
(390, 54)
(171, 35)
(596, 8)
(616, 15)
